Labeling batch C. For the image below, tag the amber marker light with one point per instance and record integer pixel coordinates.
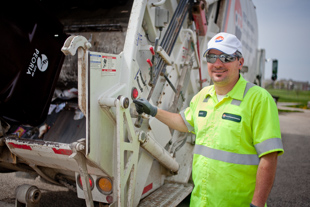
(104, 185)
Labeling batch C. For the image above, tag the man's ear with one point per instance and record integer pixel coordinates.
(241, 62)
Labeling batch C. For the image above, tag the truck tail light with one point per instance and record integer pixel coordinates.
(104, 185)
(91, 182)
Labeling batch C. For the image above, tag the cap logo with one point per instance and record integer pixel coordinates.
(219, 39)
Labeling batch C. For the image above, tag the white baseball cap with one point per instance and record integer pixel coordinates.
(224, 42)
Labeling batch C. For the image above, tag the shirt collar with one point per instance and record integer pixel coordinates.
(238, 89)
(235, 92)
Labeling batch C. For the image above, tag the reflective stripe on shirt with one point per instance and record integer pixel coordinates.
(230, 157)
(267, 145)
(189, 127)
(247, 87)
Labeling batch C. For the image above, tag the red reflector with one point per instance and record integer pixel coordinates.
(109, 199)
(147, 188)
(62, 151)
(134, 93)
(90, 182)
(19, 146)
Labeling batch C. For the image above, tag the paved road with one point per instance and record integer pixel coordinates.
(292, 184)
(52, 195)
(291, 187)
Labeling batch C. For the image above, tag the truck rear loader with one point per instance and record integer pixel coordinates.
(69, 78)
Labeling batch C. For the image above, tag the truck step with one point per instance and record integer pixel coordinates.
(168, 195)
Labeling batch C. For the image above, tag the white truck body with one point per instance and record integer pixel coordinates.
(147, 163)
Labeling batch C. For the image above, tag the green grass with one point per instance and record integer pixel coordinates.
(288, 111)
(291, 96)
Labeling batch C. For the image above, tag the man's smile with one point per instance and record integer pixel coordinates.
(219, 71)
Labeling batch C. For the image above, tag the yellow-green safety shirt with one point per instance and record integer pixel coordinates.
(231, 136)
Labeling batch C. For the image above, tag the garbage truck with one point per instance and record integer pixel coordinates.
(70, 72)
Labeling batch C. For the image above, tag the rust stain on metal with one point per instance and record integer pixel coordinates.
(82, 80)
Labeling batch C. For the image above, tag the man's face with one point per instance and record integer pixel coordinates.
(223, 74)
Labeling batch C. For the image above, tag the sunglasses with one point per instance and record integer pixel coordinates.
(225, 58)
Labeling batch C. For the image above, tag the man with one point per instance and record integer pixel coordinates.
(237, 131)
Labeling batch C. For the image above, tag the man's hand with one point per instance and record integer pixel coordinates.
(142, 105)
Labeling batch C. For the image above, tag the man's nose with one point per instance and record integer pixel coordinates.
(218, 63)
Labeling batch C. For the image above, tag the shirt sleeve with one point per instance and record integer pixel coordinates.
(186, 114)
(266, 126)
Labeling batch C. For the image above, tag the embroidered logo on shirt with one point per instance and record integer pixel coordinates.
(202, 114)
(231, 117)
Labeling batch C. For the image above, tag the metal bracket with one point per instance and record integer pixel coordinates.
(42, 174)
(73, 43)
(163, 54)
(78, 149)
(126, 152)
(80, 44)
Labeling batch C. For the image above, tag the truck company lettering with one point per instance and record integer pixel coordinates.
(37, 62)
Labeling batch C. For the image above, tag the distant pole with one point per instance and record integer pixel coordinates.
(274, 69)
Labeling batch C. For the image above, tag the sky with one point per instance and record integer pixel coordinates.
(284, 32)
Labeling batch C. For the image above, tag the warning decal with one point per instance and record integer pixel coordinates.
(95, 61)
(108, 65)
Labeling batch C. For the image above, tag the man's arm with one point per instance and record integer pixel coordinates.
(173, 120)
(264, 178)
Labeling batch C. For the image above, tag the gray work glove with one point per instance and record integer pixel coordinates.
(142, 105)
(251, 205)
